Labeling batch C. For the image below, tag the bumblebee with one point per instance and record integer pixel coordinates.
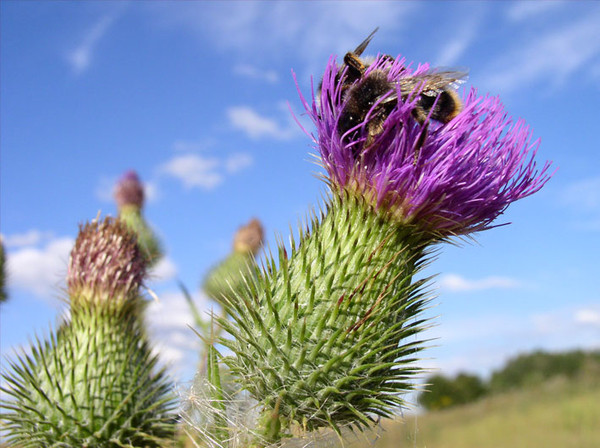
(372, 95)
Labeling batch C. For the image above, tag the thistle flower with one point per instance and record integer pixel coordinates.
(327, 335)
(447, 179)
(129, 195)
(94, 382)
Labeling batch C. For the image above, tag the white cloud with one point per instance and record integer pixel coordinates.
(195, 171)
(151, 191)
(29, 238)
(456, 283)
(480, 343)
(250, 71)
(237, 162)
(553, 56)
(203, 171)
(588, 316)
(520, 11)
(81, 56)
(40, 271)
(164, 270)
(169, 321)
(257, 126)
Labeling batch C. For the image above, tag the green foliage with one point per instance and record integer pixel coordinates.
(443, 392)
(93, 383)
(535, 368)
(560, 413)
(325, 336)
(3, 295)
(523, 371)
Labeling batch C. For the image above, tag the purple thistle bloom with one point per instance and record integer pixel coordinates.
(129, 190)
(455, 182)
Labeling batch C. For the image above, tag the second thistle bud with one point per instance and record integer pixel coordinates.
(229, 276)
(129, 195)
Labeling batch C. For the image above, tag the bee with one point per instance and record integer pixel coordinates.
(373, 96)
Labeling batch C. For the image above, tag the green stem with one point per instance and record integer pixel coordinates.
(323, 340)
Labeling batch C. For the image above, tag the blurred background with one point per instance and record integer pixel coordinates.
(198, 97)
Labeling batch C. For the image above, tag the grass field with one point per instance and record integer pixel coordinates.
(558, 414)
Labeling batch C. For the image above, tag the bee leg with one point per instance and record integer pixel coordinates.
(419, 114)
(388, 60)
(420, 142)
(355, 67)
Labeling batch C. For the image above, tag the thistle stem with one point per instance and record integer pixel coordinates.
(322, 339)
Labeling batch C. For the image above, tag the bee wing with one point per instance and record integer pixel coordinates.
(363, 45)
(432, 82)
(452, 77)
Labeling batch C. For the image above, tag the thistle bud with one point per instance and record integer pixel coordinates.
(230, 275)
(106, 263)
(129, 195)
(94, 382)
(249, 238)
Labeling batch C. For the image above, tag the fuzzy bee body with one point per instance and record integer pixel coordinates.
(372, 95)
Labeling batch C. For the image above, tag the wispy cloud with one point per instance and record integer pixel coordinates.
(252, 72)
(465, 35)
(194, 171)
(29, 238)
(519, 11)
(255, 125)
(202, 172)
(194, 145)
(583, 194)
(583, 198)
(456, 283)
(551, 57)
(480, 343)
(80, 57)
(40, 271)
(570, 321)
(313, 29)
(238, 162)
(163, 271)
(588, 316)
(169, 321)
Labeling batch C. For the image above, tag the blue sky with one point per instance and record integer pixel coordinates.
(196, 97)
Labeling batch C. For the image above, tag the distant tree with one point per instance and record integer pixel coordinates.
(537, 367)
(523, 371)
(444, 392)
